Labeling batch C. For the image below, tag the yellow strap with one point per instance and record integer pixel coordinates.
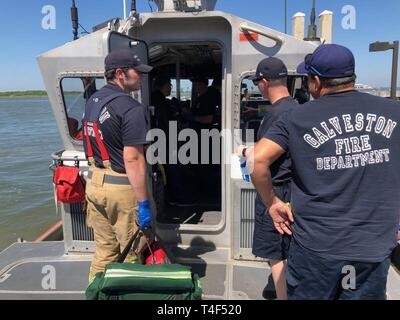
(161, 167)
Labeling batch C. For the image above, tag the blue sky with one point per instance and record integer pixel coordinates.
(23, 38)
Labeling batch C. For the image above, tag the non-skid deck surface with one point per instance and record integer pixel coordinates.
(41, 271)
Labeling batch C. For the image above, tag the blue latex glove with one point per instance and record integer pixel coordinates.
(145, 216)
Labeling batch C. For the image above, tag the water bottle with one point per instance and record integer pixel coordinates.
(243, 169)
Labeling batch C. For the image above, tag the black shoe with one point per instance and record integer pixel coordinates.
(269, 294)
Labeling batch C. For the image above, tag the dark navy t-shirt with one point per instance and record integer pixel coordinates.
(280, 169)
(345, 151)
(208, 103)
(123, 122)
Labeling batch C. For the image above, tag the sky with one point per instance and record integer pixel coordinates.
(23, 38)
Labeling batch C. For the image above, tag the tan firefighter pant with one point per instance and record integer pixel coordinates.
(112, 213)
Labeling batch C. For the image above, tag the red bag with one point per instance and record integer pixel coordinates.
(69, 185)
(156, 255)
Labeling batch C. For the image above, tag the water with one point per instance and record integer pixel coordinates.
(28, 136)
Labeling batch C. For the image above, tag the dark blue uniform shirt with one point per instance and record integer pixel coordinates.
(123, 122)
(208, 103)
(345, 151)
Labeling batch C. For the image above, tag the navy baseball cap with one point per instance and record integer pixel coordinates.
(329, 61)
(270, 69)
(200, 79)
(125, 58)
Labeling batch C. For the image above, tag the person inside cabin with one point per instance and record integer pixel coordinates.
(207, 102)
(166, 109)
(206, 115)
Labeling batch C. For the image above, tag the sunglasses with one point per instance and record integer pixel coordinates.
(257, 81)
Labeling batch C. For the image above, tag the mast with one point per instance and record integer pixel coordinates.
(75, 20)
(312, 28)
(133, 6)
(286, 11)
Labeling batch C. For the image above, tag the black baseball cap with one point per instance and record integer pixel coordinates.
(200, 79)
(270, 69)
(162, 80)
(329, 61)
(124, 58)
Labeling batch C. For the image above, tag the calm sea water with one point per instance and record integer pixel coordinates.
(28, 136)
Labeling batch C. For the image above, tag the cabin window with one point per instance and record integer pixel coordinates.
(76, 91)
(184, 92)
(253, 107)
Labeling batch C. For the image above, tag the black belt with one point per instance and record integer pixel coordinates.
(112, 179)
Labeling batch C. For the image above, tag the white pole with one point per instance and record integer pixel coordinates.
(124, 9)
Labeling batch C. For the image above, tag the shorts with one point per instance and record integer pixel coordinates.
(311, 277)
(268, 243)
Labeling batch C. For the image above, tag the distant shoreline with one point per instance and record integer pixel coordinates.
(42, 93)
(31, 93)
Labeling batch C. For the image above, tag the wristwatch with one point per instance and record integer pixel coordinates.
(244, 152)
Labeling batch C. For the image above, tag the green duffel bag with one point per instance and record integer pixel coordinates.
(127, 281)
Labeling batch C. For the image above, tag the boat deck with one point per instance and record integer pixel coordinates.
(27, 268)
(42, 271)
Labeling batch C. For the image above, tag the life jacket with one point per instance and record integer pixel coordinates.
(69, 185)
(93, 141)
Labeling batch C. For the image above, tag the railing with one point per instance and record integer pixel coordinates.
(277, 39)
(58, 159)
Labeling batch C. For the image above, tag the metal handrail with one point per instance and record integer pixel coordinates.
(56, 157)
(277, 39)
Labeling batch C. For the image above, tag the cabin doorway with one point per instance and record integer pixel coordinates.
(186, 104)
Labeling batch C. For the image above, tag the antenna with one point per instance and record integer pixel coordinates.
(312, 28)
(286, 10)
(133, 6)
(75, 20)
(124, 4)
